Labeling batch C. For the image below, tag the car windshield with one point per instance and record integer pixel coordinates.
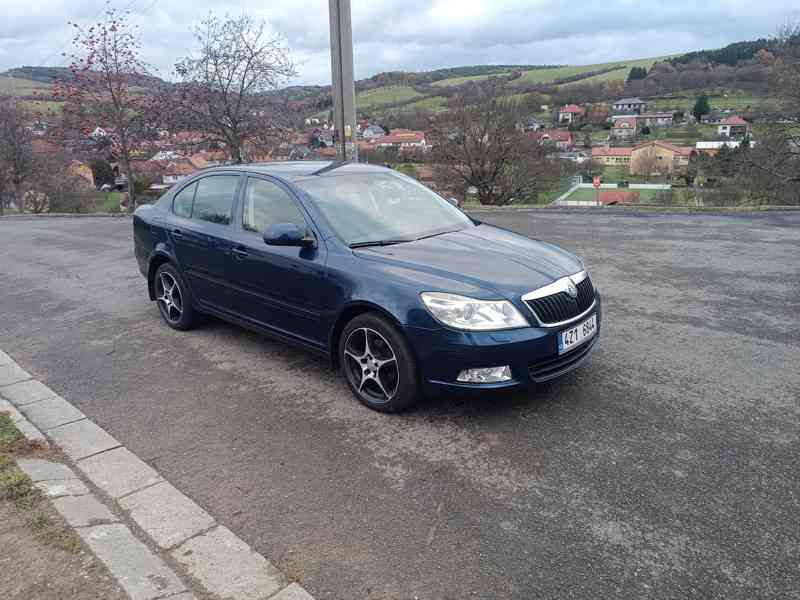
(380, 208)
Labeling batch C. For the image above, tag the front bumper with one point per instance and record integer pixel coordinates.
(531, 352)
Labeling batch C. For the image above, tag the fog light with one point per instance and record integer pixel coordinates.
(487, 375)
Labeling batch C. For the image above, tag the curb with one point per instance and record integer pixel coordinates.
(156, 542)
(65, 216)
(633, 209)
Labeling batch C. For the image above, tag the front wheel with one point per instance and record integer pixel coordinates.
(378, 364)
(172, 298)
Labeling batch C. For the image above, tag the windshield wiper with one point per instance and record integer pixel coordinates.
(430, 235)
(377, 243)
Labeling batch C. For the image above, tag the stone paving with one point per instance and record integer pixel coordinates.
(175, 550)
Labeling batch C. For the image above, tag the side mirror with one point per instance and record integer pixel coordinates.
(288, 234)
(455, 202)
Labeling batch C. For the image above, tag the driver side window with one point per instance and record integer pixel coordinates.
(266, 204)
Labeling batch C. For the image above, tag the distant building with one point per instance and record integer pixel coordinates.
(629, 105)
(734, 127)
(712, 118)
(659, 158)
(657, 119)
(403, 140)
(83, 171)
(373, 132)
(570, 113)
(609, 155)
(177, 170)
(561, 138)
(701, 146)
(531, 124)
(624, 128)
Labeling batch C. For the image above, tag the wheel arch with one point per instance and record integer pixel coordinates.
(158, 258)
(350, 312)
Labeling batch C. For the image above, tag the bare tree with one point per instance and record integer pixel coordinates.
(106, 88)
(16, 153)
(777, 153)
(479, 146)
(648, 164)
(56, 187)
(224, 88)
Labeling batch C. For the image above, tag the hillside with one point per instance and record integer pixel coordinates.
(404, 91)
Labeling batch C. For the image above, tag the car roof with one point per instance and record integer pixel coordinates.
(298, 169)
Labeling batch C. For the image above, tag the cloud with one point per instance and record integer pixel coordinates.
(413, 34)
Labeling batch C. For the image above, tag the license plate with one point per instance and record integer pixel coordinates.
(575, 336)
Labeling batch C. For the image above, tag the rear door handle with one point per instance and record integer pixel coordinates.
(239, 252)
(177, 233)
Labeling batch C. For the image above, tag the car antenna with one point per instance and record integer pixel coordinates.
(334, 165)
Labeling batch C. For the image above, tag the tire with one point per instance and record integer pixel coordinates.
(381, 373)
(175, 306)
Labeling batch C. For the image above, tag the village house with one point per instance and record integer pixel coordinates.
(630, 106)
(705, 146)
(570, 113)
(175, 170)
(372, 132)
(624, 128)
(734, 127)
(712, 118)
(659, 158)
(657, 119)
(81, 170)
(529, 124)
(403, 140)
(609, 155)
(561, 138)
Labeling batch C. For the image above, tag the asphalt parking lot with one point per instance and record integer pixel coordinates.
(665, 468)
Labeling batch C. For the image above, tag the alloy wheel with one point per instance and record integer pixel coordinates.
(168, 296)
(371, 364)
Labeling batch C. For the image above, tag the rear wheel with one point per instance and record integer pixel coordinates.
(172, 298)
(377, 364)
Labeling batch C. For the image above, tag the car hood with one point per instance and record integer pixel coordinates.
(483, 261)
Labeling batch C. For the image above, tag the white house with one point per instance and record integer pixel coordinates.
(629, 105)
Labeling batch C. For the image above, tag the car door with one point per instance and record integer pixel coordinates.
(201, 228)
(278, 287)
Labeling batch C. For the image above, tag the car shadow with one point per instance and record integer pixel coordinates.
(472, 405)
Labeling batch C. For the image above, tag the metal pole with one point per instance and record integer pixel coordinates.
(343, 88)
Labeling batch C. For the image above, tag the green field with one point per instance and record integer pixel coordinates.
(550, 75)
(722, 98)
(23, 87)
(47, 108)
(434, 103)
(616, 75)
(389, 94)
(465, 79)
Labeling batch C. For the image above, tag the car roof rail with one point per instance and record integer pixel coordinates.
(327, 168)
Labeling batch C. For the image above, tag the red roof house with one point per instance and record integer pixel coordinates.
(402, 139)
(570, 113)
(733, 127)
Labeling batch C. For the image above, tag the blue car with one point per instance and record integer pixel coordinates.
(396, 286)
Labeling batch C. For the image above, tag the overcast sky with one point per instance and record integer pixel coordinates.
(414, 34)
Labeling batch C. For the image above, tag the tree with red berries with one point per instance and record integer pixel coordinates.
(107, 86)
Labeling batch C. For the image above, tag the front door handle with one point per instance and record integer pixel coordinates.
(177, 233)
(239, 252)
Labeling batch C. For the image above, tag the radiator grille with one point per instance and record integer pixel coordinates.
(561, 306)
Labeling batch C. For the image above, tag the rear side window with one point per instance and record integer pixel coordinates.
(266, 204)
(213, 201)
(182, 204)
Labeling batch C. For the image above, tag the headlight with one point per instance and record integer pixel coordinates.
(461, 312)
